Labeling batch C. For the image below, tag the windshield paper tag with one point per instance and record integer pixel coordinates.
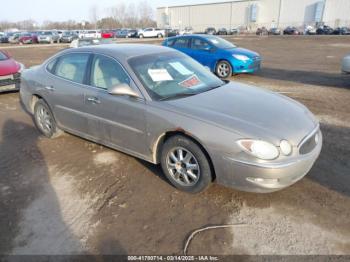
(181, 68)
(190, 82)
(159, 75)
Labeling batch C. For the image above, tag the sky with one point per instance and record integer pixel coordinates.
(61, 10)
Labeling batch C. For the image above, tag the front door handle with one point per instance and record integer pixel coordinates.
(49, 88)
(93, 100)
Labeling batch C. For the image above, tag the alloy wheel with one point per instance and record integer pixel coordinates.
(183, 166)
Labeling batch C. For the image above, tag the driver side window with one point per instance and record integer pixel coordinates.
(199, 44)
(106, 73)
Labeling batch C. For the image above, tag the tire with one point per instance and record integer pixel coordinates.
(179, 173)
(223, 69)
(159, 35)
(51, 41)
(43, 113)
(141, 36)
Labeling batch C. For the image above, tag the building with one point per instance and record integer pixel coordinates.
(251, 14)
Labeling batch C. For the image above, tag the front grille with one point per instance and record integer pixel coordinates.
(10, 80)
(309, 144)
(255, 64)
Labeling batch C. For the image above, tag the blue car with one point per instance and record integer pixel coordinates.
(221, 56)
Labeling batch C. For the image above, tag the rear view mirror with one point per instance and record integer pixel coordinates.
(123, 89)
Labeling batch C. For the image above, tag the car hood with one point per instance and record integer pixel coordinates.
(242, 51)
(249, 111)
(8, 67)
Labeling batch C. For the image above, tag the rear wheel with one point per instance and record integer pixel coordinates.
(45, 121)
(160, 35)
(141, 36)
(185, 164)
(223, 69)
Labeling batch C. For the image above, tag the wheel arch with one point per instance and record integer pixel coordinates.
(157, 148)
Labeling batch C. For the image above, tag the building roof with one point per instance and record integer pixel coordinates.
(209, 3)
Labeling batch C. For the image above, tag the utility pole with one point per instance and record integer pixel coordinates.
(279, 14)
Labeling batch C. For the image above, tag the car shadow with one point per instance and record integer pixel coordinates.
(30, 211)
(306, 77)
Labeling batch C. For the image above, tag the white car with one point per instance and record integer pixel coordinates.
(91, 34)
(187, 31)
(151, 32)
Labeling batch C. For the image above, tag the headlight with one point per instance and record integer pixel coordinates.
(241, 57)
(258, 148)
(21, 67)
(286, 147)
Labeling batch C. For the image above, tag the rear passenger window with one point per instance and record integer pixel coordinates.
(181, 43)
(199, 44)
(72, 67)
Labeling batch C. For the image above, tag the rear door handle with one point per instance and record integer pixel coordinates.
(93, 100)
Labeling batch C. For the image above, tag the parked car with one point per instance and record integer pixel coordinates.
(346, 64)
(222, 31)
(187, 31)
(210, 31)
(107, 34)
(4, 38)
(28, 38)
(310, 30)
(171, 32)
(291, 30)
(219, 55)
(48, 37)
(341, 31)
(69, 36)
(10, 73)
(132, 33)
(91, 34)
(261, 31)
(123, 33)
(274, 31)
(14, 38)
(234, 31)
(89, 41)
(324, 30)
(151, 32)
(174, 112)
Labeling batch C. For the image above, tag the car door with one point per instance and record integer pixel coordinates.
(202, 51)
(121, 118)
(65, 91)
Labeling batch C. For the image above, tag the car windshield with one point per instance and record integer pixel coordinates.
(67, 33)
(172, 75)
(46, 33)
(3, 56)
(220, 42)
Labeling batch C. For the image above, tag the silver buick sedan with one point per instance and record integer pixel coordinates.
(160, 105)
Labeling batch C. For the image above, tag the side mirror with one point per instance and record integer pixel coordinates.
(123, 90)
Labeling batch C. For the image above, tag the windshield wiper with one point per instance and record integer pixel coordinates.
(177, 96)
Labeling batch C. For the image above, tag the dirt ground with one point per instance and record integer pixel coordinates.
(71, 196)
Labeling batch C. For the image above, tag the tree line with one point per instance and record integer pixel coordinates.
(121, 15)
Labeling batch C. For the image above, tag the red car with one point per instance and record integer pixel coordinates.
(10, 73)
(28, 38)
(107, 34)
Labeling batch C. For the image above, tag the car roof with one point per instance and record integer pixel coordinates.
(124, 51)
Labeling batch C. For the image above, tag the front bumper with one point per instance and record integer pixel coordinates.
(10, 82)
(265, 177)
(250, 66)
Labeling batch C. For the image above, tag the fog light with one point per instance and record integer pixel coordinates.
(285, 147)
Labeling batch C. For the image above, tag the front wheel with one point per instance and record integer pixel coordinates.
(140, 36)
(185, 164)
(45, 121)
(223, 69)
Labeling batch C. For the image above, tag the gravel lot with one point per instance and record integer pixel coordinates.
(70, 196)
